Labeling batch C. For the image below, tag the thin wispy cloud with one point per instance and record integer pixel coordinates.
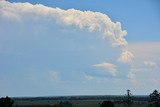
(149, 63)
(109, 68)
(54, 76)
(145, 64)
(88, 77)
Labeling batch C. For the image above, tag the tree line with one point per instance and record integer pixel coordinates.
(154, 101)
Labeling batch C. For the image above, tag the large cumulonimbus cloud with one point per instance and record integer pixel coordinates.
(92, 21)
(89, 20)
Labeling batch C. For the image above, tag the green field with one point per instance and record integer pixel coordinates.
(75, 103)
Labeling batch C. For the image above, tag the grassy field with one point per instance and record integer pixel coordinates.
(76, 103)
(79, 101)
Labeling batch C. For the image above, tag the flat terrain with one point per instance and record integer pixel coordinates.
(79, 101)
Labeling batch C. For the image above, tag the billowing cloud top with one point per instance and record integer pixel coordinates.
(92, 21)
(126, 57)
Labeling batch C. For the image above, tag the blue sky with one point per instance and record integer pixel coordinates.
(94, 48)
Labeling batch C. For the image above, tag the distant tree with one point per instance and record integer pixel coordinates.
(6, 102)
(128, 98)
(154, 99)
(65, 104)
(107, 104)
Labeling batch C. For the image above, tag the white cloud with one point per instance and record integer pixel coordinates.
(54, 75)
(93, 78)
(109, 68)
(92, 21)
(146, 55)
(132, 73)
(88, 77)
(146, 62)
(149, 63)
(105, 64)
(145, 50)
(138, 68)
(126, 57)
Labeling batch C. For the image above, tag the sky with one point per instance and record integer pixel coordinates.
(71, 47)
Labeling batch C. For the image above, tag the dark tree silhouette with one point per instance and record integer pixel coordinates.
(107, 104)
(154, 99)
(128, 98)
(55, 106)
(6, 102)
